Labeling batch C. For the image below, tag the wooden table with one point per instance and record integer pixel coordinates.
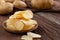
(49, 27)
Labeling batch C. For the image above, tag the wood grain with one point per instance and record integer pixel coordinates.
(49, 27)
(50, 23)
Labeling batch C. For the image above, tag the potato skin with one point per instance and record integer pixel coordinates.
(42, 4)
(19, 4)
(11, 1)
(6, 8)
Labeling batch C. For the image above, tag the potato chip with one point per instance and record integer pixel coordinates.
(28, 27)
(29, 22)
(25, 37)
(19, 25)
(17, 15)
(11, 24)
(14, 23)
(23, 14)
(33, 35)
(28, 14)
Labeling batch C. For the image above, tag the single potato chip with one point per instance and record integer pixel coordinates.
(33, 35)
(17, 15)
(19, 25)
(28, 14)
(23, 14)
(28, 27)
(29, 22)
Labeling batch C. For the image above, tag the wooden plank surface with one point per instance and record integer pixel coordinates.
(49, 27)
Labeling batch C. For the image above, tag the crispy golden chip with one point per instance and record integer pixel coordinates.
(29, 22)
(25, 37)
(28, 14)
(19, 25)
(33, 35)
(14, 24)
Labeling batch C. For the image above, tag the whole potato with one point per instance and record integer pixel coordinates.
(6, 8)
(19, 4)
(41, 4)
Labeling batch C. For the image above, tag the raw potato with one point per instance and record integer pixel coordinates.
(42, 4)
(33, 35)
(6, 8)
(11, 1)
(19, 4)
(17, 15)
(29, 24)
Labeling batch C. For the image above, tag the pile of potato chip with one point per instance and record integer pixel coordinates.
(21, 20)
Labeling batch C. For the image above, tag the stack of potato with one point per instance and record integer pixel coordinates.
(21, 21)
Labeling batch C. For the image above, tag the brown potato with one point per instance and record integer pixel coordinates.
(19, 4)
(41, 4)
(6, 8)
